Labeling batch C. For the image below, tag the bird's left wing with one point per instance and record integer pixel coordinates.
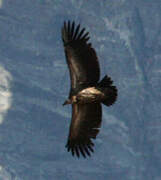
(81, 57)
(85, 124)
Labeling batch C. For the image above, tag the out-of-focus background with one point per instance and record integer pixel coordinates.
(34, 82)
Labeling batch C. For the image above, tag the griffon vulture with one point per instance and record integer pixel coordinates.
(86, 92)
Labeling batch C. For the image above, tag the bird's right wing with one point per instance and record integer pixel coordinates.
(85, 124)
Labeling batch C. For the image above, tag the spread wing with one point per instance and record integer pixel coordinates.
(81, 57)
(85, 124)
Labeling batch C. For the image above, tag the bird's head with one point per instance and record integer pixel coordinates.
(68, 101)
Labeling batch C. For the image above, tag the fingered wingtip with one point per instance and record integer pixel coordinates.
(79, 150)
(71, 32)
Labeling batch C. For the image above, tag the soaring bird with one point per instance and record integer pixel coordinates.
(86, 91)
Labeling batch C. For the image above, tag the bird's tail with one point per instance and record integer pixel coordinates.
(105, 85)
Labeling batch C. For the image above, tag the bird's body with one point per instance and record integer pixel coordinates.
(88, 95)
(86, 92)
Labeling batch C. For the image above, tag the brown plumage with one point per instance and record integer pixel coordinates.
(86, 93)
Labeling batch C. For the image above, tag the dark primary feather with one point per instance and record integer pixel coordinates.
(85, 124)
(81, 57)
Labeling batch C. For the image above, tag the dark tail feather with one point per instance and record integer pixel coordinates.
(105, 82)
(106, 86)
